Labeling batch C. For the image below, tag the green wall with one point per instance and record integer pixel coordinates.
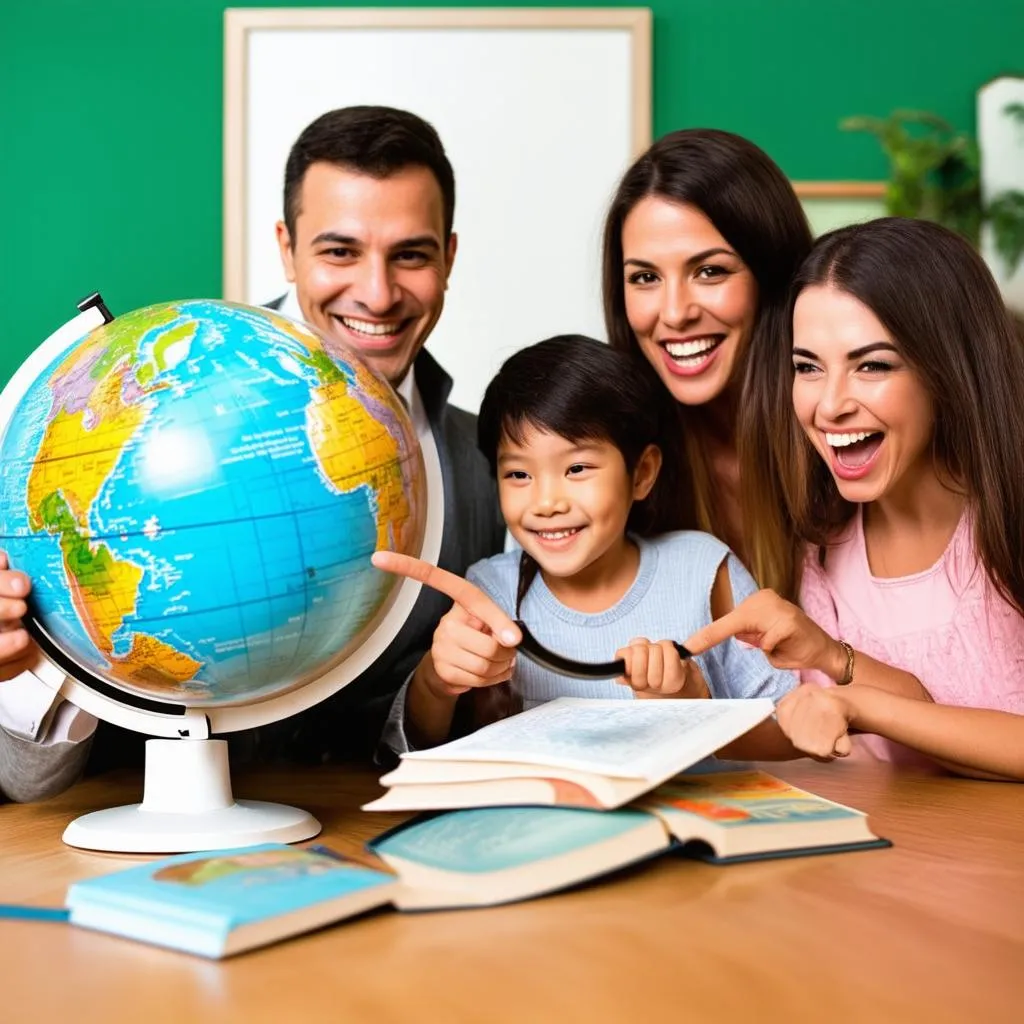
(110, 116)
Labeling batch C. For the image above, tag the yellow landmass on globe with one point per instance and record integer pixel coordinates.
(95, 437)
(374, 388)
(360, 453)
(363, 453)
(151, 662)
(370, 384)
(111, 342)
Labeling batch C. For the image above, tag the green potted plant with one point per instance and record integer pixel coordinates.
(935, 175)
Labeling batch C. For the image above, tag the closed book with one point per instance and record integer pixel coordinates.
(223, 902)
(571, 752)
(490, 855)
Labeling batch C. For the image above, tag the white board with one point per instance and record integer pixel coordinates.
(540, 112)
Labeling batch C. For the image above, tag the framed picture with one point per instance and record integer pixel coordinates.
(536, 155)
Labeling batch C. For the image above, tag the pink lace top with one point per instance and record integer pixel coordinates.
(947, 625)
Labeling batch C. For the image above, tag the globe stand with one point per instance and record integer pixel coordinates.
(187, 805)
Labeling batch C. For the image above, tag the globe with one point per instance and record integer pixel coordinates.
(195, 489)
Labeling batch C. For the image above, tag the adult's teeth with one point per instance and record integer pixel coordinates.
(842, 440)
(682, 349)
(368, 327)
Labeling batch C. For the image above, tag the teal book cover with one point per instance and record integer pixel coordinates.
(486, 839)
(485, 856)
(220, 902)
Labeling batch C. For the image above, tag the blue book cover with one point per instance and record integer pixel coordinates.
(221, 902)
(489, 855)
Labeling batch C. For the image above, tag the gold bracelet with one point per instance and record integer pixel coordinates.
(847, 676)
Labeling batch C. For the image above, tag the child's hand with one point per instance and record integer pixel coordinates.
(817, 719)
(788, 637)
(474, 644)
(656, 670)
(465, 655)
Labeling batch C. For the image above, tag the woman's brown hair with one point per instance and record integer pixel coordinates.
(936, 298)
(746, 196)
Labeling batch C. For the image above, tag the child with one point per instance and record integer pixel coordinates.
(902, 453)
(571, 429)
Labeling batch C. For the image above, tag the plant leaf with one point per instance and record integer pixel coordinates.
(1006, 214)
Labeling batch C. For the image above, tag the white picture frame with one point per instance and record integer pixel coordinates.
(540, 111)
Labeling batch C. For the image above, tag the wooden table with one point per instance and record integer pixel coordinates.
(931, 930)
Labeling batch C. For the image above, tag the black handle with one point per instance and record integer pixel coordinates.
(537, 652)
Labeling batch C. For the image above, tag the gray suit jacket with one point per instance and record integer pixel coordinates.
(347, 725)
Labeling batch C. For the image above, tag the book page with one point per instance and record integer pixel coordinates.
(630, 739)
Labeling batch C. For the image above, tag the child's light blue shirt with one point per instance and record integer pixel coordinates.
(670, 599)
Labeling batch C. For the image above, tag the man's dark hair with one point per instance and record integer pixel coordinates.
(376, 141)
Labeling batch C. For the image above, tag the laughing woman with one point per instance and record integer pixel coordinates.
(701, 242)
(899, 435)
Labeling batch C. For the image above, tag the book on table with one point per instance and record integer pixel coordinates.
(488, 855)
(572, 752)
(226, 901)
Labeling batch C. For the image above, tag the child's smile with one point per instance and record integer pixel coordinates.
(558, 539)
(567, 503)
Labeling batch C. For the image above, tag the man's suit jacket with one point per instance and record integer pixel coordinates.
(348, 724)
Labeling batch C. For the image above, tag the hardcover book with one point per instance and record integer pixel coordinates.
(219, 903)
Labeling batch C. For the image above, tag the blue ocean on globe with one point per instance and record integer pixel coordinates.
(195, 490)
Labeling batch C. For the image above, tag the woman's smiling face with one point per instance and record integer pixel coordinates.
(862, 406)
(690, 299)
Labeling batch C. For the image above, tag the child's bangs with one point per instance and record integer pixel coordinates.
(514, 429)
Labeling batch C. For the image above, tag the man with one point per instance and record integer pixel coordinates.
(368, 246)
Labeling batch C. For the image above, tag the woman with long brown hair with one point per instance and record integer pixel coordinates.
(701, 242)
(898, 428)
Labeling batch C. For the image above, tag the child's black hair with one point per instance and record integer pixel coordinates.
(582, 390)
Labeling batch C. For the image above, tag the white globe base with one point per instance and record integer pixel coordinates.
(187, 806)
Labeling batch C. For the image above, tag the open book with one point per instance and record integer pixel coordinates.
(495, 855)
(573, 752)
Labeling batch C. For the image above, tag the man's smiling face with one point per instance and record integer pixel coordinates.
(369, 261)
